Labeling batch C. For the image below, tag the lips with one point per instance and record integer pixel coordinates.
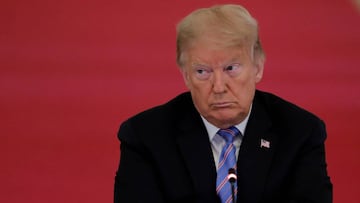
(221, 104)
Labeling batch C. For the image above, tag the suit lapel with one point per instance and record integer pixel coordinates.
(194, 145)
(255, 155)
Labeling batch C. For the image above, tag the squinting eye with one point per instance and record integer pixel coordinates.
(233, 69)
(202, 73)
(230, 67)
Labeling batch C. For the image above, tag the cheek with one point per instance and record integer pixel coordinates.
(243, 88)
(242, 82)
(198, 85)
(201, 91)
(249, 78)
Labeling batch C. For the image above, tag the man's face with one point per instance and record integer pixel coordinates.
(221, 81)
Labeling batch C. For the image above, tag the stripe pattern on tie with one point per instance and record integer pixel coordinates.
(227, 160)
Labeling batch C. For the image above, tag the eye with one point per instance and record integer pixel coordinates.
(233, 69)
(202, 73)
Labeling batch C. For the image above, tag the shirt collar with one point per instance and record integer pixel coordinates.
(212, 130)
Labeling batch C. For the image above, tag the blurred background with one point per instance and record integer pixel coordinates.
(71, 71)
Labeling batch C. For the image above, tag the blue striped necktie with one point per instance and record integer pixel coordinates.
(227, 160)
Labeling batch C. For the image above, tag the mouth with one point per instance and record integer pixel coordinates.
(221, 104)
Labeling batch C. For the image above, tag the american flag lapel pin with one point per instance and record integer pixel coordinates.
(264, 143)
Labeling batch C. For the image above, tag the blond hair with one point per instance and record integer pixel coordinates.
(231, 24)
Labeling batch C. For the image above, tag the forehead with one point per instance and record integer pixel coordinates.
(208, 53)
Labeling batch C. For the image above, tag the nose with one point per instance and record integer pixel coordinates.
(219, 83)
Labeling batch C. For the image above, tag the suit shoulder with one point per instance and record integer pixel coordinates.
(164, 111)
(285, 110)
(159, 116)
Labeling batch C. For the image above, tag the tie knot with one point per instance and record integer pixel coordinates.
(229, 134)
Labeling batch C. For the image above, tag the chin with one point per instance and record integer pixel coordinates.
(229, 117)
(226, 114)
(224, 121)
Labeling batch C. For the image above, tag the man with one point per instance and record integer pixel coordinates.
(182, 151)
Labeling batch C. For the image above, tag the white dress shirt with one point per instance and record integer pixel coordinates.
(217, 142)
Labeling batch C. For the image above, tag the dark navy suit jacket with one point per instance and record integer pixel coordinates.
(166, 156)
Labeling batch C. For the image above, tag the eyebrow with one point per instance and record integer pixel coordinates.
(236, 59)
(199, 64)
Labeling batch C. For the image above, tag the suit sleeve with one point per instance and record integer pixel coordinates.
(311, 181)
(135, 180)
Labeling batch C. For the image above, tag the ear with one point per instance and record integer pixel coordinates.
(259, 65)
